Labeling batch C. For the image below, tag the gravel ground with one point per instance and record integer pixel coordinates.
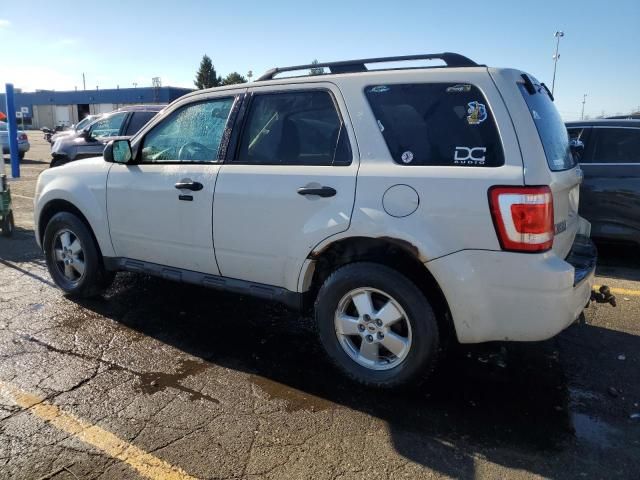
(162, 380)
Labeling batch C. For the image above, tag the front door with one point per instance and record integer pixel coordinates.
(289, 185)
(160, 206)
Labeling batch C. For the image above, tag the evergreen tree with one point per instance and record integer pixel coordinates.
(316, 70)
(206, 76)
(233, 78)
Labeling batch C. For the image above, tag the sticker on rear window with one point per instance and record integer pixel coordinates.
(379, 89)
(380, 126)
(469, 155)
(407, 157)
(459, 88)
(477, 113)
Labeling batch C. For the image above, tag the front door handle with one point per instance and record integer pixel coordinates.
(320, 191)
(193, 186)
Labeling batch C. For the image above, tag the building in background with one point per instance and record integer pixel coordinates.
(50, 108)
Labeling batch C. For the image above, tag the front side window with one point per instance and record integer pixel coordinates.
(294, 128)
(109, 126)
(616, 145)
(190, 134)
(436, 124)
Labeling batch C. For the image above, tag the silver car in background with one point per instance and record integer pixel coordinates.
(23, 140)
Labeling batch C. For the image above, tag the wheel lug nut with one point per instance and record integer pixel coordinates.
(380, 335)
(369, 338)
(366, 317)
(379, 322)
(361, 327)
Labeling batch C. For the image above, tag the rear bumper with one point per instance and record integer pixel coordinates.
(22, 147)
(515, 296)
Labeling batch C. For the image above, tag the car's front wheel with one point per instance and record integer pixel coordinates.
(73, 259)
(377, 325)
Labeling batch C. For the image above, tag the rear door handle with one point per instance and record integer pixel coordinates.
(193, 186)
(321, 191)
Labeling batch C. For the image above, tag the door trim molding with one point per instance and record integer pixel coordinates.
(243, 287)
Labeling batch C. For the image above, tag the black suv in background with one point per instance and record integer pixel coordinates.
(609, 154)
(90, 141)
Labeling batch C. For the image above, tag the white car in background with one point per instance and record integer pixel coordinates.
(23, 140)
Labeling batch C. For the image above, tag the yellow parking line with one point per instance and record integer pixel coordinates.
(621, 291)
(144, 463)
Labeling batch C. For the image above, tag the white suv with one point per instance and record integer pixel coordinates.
(402, 204)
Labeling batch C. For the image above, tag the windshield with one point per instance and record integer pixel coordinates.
(84, 122)
(551, 129)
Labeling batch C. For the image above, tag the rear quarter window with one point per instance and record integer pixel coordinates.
(551, 129)
(439, 124)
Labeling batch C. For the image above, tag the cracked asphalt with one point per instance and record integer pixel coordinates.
(161, 380)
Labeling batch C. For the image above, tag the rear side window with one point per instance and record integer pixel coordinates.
(551, 129)
(436, 124)
(616, 145)
(294, 128)
(138, 121)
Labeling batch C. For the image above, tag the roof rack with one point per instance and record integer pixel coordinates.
(352, 66)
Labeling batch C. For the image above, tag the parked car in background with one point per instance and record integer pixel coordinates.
(400, 205)
(609, 154)
(23, 140)
(90, 141)
(85, 122)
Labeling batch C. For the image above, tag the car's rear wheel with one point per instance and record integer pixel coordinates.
(73, 258)
(376, 325)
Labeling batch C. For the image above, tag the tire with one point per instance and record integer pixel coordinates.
(417, 328)
(21, 155)
(8, 225)
(85, 275)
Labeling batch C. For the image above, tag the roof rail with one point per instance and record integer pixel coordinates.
(352, 66)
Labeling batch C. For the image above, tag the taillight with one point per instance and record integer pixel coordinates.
(22, 136)
(523, 217)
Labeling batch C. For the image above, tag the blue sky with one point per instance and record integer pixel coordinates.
(49, 44)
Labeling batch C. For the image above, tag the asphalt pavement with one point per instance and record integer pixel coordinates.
(161, 380)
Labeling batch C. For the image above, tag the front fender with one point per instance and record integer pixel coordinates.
(83, 185)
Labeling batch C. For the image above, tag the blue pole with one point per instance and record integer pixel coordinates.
(13, 132)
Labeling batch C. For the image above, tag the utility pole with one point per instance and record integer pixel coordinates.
(584, 100)
(84, 83)
(558, 36)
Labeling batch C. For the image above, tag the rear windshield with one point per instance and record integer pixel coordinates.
(443, 124)
(551, 128)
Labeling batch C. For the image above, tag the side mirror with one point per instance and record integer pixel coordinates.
(118, 151)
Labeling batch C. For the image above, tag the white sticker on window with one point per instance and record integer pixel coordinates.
(469, 155)
(407, 157)
(379, 89)
(380, 126)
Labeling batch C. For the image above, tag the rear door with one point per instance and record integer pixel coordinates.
(288, 184)
(611, 190)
